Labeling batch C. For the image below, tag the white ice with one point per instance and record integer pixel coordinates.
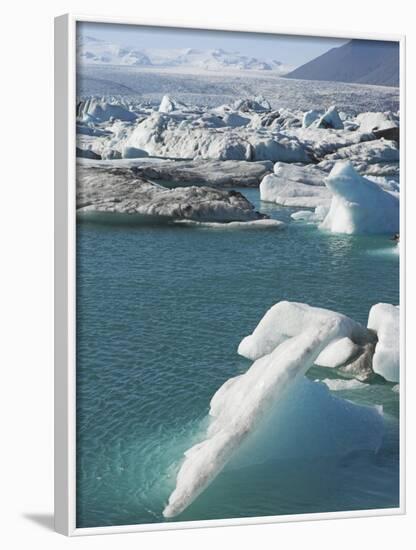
(385, 320)
(256, 224)
(339, 384)
(368, 122)
(273, 393)
(359, 205)
(102, 193)
(274, 188)
(330, 119)
(287, 319)
(338, 353)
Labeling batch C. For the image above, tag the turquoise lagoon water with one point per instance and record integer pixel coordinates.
(161, 310)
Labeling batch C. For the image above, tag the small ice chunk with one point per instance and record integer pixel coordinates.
(304, 215)
(133, 153)
(168, 104)
(309, 117)
(331, 119)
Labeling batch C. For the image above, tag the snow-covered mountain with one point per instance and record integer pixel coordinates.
(99, 52)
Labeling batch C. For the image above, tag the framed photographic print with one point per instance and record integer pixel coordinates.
(229, 276)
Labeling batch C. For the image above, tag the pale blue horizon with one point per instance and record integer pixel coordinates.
(291, 50)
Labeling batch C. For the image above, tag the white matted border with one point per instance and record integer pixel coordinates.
(65, 279)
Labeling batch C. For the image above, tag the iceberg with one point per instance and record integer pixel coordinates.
(359, 205)
(186, 137)
(274, 397)
(102, 190)
(310, 216)
(330, 119)
(169, 104)
(259, 104)
(234, 120)
(289, 193)
(133, 153)
(307, 174)
(309, 118)
(380, 124)
(304, 215)
(384, 319)
(96, 110)
(297, 186)
(366, 153)
(179, 173)
(287, 319)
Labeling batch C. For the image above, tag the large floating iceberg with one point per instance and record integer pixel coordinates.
(103, 190)
(274, 393)
(359, 205)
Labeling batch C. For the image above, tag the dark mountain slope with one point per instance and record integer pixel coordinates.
(357, 61)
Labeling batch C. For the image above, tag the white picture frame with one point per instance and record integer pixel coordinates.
(65, 282)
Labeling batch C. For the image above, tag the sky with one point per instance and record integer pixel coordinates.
(291, 50)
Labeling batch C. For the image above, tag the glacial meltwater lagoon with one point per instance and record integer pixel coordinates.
(161, 310)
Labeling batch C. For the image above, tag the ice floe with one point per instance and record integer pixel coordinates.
(176, 173)
(380, 124)
(102, 190)
(280, 190)
(256, 224)
(330, 119)
(371, 152)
